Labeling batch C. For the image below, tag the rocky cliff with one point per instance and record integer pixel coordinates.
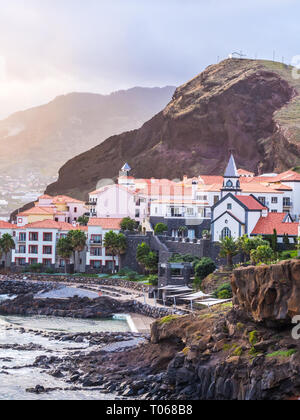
(247, 105)
(268, 293)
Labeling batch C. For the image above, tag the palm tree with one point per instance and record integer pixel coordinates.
(77, 240)
(7, 244)
(229, 248)
(64, 250)
(115, 244)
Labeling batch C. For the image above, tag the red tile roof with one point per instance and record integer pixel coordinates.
(106, 223)
(266, 225)
(250, 202)
(51, 224)
(6, 225)
(38, 211)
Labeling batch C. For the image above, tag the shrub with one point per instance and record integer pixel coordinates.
(204, 268)
(153, 280)
(160, 229)
(223, 290)
(225, 294)
(128, 224)
(36, 268)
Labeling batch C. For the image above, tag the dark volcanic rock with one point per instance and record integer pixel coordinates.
(268, 293)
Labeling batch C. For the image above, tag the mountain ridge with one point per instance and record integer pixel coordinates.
(238, 104)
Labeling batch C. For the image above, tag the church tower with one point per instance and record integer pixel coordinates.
(125, 170)
(231, 178)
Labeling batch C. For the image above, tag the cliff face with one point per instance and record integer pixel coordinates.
(250, 106)
(268, 293)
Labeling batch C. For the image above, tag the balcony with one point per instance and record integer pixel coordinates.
(91, 203)
(287, 205)
(95, 242)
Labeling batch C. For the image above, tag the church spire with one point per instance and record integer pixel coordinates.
(231, 178)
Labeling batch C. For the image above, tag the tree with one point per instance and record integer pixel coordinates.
(182, 231)
(128, 224)
(151, 262)
(116, 245)
(246, 245)
(77, 240)
(141, 254)
(263, 254)
(65, 250)
(7, 244)
(160, 229)
(83, 220)
(229, 248)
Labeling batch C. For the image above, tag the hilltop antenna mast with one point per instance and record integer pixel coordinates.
(239, 54)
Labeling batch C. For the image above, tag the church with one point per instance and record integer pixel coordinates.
(237, 214)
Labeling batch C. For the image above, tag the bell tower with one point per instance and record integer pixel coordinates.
(231, 178)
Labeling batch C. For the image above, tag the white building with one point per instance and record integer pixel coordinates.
(97, 256)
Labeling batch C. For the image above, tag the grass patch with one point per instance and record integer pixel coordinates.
(281, 353)
(168, 319)
(238, 352)
(253, 337)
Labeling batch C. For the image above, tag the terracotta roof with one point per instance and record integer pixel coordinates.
(244, 172)
(6, 225)
(50, 224)
(288, 176)
(38, 210)
(266, 225)
(61, 199)
(106, 223)
(250, 202)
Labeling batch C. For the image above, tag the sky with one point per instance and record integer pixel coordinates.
(53, 47)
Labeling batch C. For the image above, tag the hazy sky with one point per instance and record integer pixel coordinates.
(52, 47)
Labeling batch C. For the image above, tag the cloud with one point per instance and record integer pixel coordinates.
(51, 47)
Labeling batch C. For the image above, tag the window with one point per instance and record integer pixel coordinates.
(63, 235)
(190, 212)
(226, 233)
(20, 261)
(22, 249)
(137, 213)
(202, 197)
(20, 220)
(262, 200)
(22, 237)
(47, 250)
(75, 209)
(96, 252)
(96, 239)
(47, 262)
(62, 263)
(33, 236)
(33, 261)
(96, 264)
(287, 202)
(229, 206)
(274, 200)
(33, 249)
(216, 199)
(47, 237)
(229, 184)
(274, 211)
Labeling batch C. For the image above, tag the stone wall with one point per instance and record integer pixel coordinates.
(77, 280)
(175, 224)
